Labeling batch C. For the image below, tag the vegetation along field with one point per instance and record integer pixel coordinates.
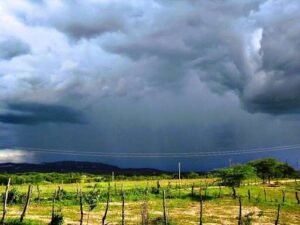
(260, 192)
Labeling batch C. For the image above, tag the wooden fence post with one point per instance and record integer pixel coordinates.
(5, 201)
(278, 215)
(265, 194)
(240, 222)
(193, 186)
(220, 190)
(53, 205)
(147, 188)
(283, 196)
(81, 207)
(27, 203)
(158, 186)
(106, 208)
(249, 194)
(77, 191)
(201, 208)
(233, 192)
(164, 208)
(39, 193)
(297, 198)
(123, 206)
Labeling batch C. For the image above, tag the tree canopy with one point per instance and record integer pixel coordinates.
(270, 168)
(233, 176)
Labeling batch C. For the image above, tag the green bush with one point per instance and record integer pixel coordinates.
(13, 196)
(160, 221)
(17, 222)
(57, 219)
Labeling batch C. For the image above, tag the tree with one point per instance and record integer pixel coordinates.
(270, 168)
(192, 175)
(233, 176)
(92, 198)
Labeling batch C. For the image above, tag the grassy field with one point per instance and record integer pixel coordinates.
(182, 206)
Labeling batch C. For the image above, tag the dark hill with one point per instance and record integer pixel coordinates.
(72, 166)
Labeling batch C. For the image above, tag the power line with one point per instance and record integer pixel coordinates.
(159, 154)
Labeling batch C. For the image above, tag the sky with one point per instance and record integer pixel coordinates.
(149, 76)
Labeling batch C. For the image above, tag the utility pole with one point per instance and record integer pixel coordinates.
(179, 171)
(230, 162)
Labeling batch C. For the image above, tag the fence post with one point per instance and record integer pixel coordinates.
(278, 215)
(106, 207)
(240, 222)
(249, 194)
(53, 204)
(265, 194)
(158, 186)
(27, 203)
(5, 201)
(297, 198)
(233, 192)
(193, 186)
(81, 207)
(164, 208)
(123, 206)
(283, 196)
(220, 190)
(201, 207)
(39, 193)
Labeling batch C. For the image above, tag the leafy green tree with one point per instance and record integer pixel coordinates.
(192, 175)
(92, 199)
(233, 176)
(270, 168)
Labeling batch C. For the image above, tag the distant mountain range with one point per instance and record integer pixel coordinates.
(72, 166)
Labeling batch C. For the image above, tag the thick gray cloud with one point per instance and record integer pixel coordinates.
(34, 113)
(152, 75)
(12, 47)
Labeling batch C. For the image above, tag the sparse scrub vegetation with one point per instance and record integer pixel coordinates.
(144, 200)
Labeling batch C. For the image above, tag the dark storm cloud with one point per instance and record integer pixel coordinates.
(277, 88)
(34, 113)
(81, 19)
(155, 75)
(248, 47)
(12, 47)
(208, 39)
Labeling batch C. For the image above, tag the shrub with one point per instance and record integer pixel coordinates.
(160, 221)
(13, 196)
(17, 222)
(57, 219)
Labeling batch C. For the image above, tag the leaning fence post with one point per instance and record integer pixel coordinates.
(249, 194)
(81, 207)
(5, 201)
(39, 193)
(220, 190)
(158, 186)
(27, 203)
(106, 208)
(201, 207)
(297, 198)
(193, 186)
(233, 192)
(240, 222)
(164, 208)
(123, 206)
(278, 215)
(283, 196)
(53, 205)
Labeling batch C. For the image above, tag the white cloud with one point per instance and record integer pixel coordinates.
(15, 156)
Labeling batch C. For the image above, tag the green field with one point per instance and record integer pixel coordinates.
(182, 206)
